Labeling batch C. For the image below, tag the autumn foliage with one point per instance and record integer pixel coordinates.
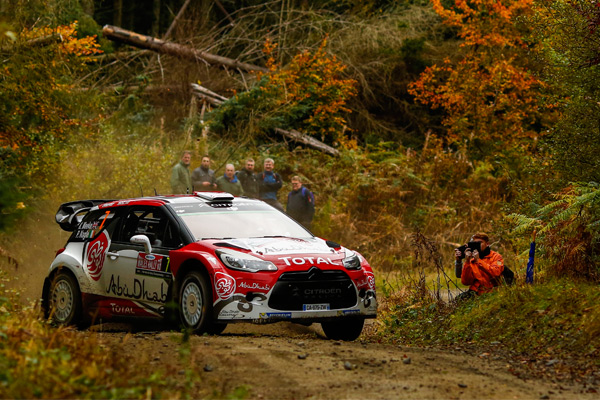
(488, 94)
(309, 94)
(38, 107)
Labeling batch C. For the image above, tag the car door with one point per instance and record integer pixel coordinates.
(93, 237)
(132, 273)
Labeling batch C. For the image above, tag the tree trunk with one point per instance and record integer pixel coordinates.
(118, 12)
(156, 17)
(308, 141)
(160, 46)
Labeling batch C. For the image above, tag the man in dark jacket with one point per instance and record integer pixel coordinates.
(269, 182)
(301, 203)
(248, 179)
(203, 178)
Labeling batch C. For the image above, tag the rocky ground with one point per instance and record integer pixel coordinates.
(286, 361)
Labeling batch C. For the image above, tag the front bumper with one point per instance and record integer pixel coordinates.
(254, 307)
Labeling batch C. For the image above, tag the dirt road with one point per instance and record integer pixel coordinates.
(286, 361)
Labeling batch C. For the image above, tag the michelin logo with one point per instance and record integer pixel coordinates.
(275, 315)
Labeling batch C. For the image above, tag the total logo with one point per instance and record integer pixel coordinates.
(119, 309)
(309, 261)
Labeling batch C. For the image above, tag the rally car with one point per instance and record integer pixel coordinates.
(203, 260)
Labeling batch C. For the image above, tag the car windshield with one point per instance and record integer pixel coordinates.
(240, 219)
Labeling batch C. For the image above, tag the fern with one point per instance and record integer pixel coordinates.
(569, 231)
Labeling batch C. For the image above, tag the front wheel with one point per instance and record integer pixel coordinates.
(195, 303)
(64, 300)
(343, 329)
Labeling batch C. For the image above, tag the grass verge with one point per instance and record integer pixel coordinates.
(554, 326)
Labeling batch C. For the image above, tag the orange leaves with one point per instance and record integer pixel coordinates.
(311, 86)
(485, 22)
(489, 94)
(69, 43)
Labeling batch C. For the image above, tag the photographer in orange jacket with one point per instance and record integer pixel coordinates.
(483, 267)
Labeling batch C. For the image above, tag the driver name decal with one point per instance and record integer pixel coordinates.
(95, 255)
(224, 285)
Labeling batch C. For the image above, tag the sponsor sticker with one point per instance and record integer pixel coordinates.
(285, 315)
(224, 285)
(153, 265)
(315, 307)
(96, 254)
(254, 286)
(309, 261)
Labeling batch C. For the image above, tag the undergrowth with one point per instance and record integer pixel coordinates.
(552, 321)
(38, 360)
(555, 319)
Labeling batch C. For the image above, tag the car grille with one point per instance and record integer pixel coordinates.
(294, 289)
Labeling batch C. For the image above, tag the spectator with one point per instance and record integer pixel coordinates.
(483, 267)
(301, 203)
(248, 179)
(229, 182)
(203, 178)
(269, 182)
(181, 181)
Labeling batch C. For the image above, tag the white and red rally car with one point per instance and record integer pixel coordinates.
(205, 260)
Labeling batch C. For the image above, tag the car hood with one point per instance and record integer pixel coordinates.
(278, 246)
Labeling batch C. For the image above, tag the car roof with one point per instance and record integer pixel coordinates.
(205, 197)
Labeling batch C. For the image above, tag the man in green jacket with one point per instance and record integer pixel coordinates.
(229, 182)
(181, 180)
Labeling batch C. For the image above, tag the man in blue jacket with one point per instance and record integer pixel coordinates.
(269, 182)
(301, 203)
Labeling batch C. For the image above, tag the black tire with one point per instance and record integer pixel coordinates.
(195, 303)
(64, 300)
(343, 329)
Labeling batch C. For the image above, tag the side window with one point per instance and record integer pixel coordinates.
(95, 222)
(153, 223)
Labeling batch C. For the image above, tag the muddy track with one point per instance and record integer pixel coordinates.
(286, 361)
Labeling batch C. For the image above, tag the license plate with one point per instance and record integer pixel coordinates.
(315, 307)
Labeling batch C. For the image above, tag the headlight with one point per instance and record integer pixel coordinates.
(352, 261)
(244, 262)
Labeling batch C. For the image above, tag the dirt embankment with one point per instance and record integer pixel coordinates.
(286, 361)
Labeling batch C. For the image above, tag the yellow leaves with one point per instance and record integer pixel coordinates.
(69, 43)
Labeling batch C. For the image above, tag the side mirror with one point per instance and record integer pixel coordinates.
(142, 239)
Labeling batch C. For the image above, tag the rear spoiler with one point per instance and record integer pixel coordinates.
(69, 215)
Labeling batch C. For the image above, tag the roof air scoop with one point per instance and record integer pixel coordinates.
(215, 197)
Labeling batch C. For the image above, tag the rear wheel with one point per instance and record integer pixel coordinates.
(343, 329)
(64, 300)
(195, 306)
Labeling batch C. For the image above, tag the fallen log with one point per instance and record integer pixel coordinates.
(164, 47)
(216, 100)
(308, 141)
(44, 40)
(208, 95)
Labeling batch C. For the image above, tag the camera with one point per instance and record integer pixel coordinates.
(471, 246)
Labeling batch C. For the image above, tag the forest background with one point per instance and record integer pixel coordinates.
(450, 117)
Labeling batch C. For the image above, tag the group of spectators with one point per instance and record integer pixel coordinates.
(483, 269)
(262, 185)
